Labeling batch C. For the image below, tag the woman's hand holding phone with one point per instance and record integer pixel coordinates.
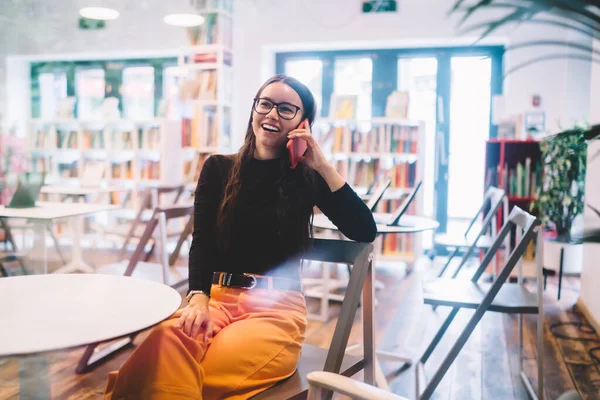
(312, 156)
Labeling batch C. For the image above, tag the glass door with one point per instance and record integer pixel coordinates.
(417, 76)
(469, 128)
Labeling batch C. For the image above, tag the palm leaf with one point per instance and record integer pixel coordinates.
(582, 16)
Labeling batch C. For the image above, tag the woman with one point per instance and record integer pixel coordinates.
(244, 324)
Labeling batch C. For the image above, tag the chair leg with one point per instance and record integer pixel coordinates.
(91, 358)
(560, 270)
(453, 353)
(438, 336)
(454, 253)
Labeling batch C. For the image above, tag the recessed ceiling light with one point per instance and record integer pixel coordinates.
(101, 13)
(185, 20)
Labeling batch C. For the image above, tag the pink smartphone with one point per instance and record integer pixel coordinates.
(297, 147)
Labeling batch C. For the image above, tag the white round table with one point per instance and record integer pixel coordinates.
(41, 313)
(407, 224)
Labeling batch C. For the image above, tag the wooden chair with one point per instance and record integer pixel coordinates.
(163, 271)
(334, 359)
(322, 383)
(149, 202)
(493, 199)
(499, 296)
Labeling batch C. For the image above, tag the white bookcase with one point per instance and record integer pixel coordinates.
(133, 154)
(364, 149)
(207, 89)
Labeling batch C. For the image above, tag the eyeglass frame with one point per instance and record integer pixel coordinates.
(275, 105)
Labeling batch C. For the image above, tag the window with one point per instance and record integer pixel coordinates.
(53, 88)
(309, 72)
(137, 93)
(354, 76)
(89, 88)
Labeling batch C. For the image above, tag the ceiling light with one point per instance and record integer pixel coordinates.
(185, 20)
(101, 13)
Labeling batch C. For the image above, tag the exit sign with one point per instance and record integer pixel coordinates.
(87, 23)
(371, 6)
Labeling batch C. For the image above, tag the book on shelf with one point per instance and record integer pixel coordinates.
(67, 169)
(397, 105)
(122, 169)
(381, 138)
(522, 180)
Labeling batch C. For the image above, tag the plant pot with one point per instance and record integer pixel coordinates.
(572, 258)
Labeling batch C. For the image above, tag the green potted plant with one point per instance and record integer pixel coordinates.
(560, 198)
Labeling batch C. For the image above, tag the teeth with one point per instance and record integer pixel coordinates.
(270, 128)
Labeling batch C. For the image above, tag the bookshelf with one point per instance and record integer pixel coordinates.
(130, 153)
(379, 147)
(515, 166)
(206, 88)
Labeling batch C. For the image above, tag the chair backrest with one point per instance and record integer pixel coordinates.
(360, 255)
(526, 226)
(378, 194)
(493, 199)
(165, 213)
(401, 210)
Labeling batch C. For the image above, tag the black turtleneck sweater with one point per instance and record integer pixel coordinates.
(258, 244)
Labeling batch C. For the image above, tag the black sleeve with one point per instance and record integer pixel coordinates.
(203, 251)
(346, 210)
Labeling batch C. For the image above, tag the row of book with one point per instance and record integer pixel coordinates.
(193, 167)
(149, 170)
(522, 180)
(362, 173)
(216, 29)
(202, 130)
(386, 138)
(226, 5)
(148, 139)
(202, 86)
(397, 244)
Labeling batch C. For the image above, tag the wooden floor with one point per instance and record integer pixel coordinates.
(485, 369)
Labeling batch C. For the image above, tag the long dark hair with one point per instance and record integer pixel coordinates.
(294, 208)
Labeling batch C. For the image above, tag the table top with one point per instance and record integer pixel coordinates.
(51, 210)
(71, 190)
(408, 224)
(55, 312)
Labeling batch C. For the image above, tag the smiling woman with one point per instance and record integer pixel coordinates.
(252, 223)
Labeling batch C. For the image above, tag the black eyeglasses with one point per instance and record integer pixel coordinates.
(285, 110)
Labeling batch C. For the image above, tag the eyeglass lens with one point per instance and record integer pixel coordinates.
(285, 110)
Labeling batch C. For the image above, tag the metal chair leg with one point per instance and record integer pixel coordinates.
(454, 253)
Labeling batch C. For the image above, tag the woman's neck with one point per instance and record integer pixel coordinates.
(265, 154)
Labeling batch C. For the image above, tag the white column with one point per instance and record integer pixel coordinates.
(590, 275)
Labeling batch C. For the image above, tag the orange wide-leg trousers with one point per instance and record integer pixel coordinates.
(257, 342)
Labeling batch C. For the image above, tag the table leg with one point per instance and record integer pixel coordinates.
(77, 264)
(34, 380)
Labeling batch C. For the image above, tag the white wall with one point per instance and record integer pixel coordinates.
(263, 27)
(590, 274)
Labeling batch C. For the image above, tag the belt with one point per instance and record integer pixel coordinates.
(248, 281)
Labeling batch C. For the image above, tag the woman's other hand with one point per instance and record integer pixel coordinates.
(194, 318)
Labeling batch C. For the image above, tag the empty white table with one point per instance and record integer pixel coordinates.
(42, 313)
(43, 212)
